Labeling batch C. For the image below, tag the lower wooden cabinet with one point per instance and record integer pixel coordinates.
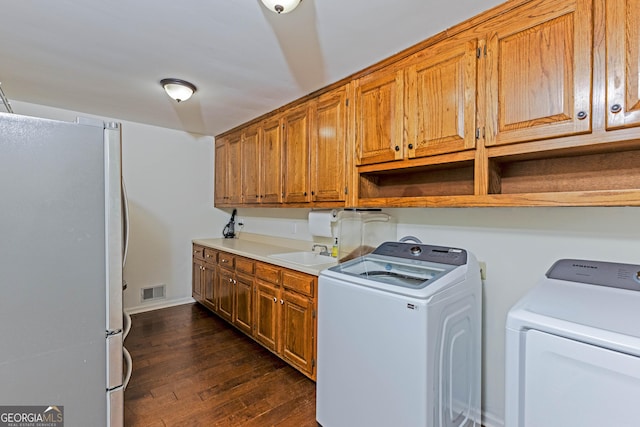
(197, 284)
(273, 305)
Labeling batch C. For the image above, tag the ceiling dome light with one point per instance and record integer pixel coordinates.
(180, 90)
(281, 6)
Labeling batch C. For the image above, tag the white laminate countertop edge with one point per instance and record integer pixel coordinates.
(259, 249)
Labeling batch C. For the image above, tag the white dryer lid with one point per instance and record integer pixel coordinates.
(590, 310)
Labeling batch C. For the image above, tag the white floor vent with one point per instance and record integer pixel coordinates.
(154, 292)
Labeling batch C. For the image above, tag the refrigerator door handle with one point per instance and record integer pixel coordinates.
(125, 224)
(129, 362)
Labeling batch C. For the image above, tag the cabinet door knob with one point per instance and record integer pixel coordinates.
(305, 193)
(582, 115)
(281, 302)
(616, 108)
(410, 146)
(397, 148)
(275, 299)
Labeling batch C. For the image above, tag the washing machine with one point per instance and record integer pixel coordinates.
(399, 339)
(573, 348)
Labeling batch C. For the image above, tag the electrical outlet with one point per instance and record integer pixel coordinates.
(483, 270)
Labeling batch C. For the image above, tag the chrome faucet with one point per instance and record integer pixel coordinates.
(324, 251)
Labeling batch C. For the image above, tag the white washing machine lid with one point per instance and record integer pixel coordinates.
(416, 270)
(590, 301)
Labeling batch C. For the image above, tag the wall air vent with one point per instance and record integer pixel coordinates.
(153, 293)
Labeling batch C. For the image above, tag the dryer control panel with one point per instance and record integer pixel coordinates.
(612, 274)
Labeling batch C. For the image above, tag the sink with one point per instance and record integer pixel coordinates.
(305, 258)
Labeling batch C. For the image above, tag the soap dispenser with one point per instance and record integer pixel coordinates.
(334, 249)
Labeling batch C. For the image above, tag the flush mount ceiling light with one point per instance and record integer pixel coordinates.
(180, 90)
(281, 6)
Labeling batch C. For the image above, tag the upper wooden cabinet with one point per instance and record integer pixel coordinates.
(297, 134)
(271, 161)
(538, 72)
(533, 103)
(379, 115)
(441, 98)
(623, 63)
(228, 170)
(220, 170)
(251, 165)
(329, 159)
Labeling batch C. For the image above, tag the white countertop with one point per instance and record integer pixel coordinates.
(259, 247)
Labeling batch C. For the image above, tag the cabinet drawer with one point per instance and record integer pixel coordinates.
(226, 260)
(268, 273)
(245, 265)
(198, 252)
(299, 282)
(210, 256)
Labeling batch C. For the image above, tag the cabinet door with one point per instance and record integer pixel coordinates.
(266, 320)
(220, 187)
(225, 282)
(234, 170)
(539, 72)
(298, 331)
(379, 103)
(243, 313)
(271, 155)
(251, 165)
(328, 151)
(297, 131)
(623, 63)
(197, 278)
(441, 95)
(209, 285)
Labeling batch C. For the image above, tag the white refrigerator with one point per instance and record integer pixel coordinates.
(62, 243)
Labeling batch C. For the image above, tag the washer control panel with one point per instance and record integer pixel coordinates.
(421, 252)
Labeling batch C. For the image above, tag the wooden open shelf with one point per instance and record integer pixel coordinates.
(453, 179)
(588, 172)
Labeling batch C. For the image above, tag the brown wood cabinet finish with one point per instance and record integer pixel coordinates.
(329, 159)
(539, 72)
(441, 99)
(622, 33)
(271, 161)
(379, 115)
(274, 305)
(228, 173)
(251, 165)
(297, 125)
(532, 103)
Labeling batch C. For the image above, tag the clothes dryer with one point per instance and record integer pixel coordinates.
(573, 348)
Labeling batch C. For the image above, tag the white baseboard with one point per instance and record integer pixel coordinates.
(158, 305)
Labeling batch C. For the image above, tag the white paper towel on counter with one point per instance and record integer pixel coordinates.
(320, 222)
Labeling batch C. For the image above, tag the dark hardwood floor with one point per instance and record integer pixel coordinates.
(190, 368)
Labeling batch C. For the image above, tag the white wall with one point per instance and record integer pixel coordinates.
(169, 181)
(518, 246)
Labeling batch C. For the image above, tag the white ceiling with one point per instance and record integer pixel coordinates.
(106, 57)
